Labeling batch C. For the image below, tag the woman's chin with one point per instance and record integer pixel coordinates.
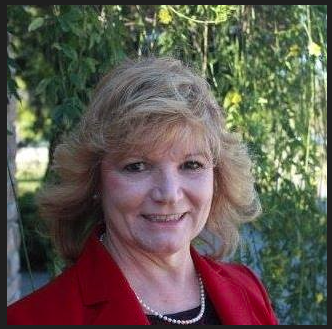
(163, 248)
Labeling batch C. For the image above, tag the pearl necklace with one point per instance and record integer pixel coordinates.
(175, 321)
(166, 318)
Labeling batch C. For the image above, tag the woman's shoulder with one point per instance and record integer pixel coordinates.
(244, 277)
(48, 303)
(239, 274)
(234, 271)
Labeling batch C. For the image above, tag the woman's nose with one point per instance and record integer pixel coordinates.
(167, 188)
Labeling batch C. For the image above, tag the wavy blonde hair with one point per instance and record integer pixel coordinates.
(141, 104)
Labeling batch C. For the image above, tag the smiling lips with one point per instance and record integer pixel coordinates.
(164, 218)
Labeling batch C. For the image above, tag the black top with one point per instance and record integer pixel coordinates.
(209, 317)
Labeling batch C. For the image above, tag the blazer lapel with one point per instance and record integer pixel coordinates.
(106, 293)
(121, 311)
(228, 298)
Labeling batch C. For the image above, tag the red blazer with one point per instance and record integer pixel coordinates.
(94, 291)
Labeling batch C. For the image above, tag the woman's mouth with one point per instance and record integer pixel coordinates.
(164, 218)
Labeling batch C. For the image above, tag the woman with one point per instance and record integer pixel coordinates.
(150, 166)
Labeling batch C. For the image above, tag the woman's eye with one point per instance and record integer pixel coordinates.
(135, 167)
(192, 165)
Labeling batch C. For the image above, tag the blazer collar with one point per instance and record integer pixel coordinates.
(104, 287)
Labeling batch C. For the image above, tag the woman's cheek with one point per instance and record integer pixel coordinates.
(125, 192)
(202, 186)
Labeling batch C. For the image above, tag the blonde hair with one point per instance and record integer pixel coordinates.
(145, 103)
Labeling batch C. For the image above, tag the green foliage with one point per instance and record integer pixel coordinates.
(36, 244)
(35, 24)
(25, 127)
(11, 65)
(266, 65)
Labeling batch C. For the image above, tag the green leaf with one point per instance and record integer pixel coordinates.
(289, 66)
(42, 86)
(9, 133)
(36, 24)
(91, 63)
(57, 46)
(64, 24)
(77, 80)
(69, 52)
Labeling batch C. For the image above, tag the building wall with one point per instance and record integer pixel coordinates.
(13, 234)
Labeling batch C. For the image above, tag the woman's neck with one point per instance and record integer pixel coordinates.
(134, 260)
(168, 283)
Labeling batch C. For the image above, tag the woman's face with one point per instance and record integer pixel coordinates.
(159, 202)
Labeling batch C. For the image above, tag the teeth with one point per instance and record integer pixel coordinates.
(163, 218)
